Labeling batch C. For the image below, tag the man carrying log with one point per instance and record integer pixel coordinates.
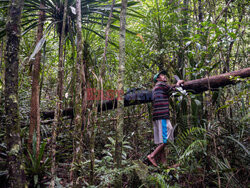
(163, 130)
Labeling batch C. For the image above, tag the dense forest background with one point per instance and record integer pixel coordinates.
(52, 52)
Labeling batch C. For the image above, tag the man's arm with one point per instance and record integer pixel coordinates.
(178, 84)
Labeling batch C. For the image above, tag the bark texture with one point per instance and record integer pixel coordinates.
(135, 96)
(120, 87)
(77, 138)
(121, 72)
(57, 116)
(13, 140)
(201, 85)
(35, 107)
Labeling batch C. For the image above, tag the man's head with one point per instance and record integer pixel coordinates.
(161, 76)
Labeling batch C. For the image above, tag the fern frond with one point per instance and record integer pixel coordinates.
(193, 131)
(196, 146)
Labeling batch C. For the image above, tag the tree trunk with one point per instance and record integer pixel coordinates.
(136, 97)
(106, 40)
(57, 117)
(1, 83)
(35, 107)
(120, 87)
(1, 62)
(72, 103)
(200, 13)
(160, 45)
(201, 85)
(43, 70)
(102, 70)
(92, 135)
(13, 140)
(77, 152)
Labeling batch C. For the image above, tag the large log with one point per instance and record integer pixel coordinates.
(135, 96)
(201, 85)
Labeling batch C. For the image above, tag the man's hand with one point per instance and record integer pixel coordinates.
(180, 83)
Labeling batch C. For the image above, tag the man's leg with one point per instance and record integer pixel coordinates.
(163, 156)
(159, 149)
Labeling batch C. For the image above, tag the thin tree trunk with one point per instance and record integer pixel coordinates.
(12, 119)
(120, 87)
(73, 102)
(77, 152)
(2, 75)
(84, 79)
(102, 71)
(229, 51)
(160, 39)
(92, 150)
(35, 106)
(43, 70)
(186, 17)
(200, 12)
(1, 84)
(92, 133)
(106, 39)
(221, 13)
(1, 58)
(59, 96)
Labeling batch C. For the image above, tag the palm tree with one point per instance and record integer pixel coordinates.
(92, 11)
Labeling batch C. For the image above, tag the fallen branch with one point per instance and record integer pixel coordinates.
(135, 97)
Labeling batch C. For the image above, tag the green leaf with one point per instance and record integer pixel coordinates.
(198, 45)
(41, 151)
(240, 144)
(36, 179)
(3, 173)
(32, 159)
(111, 140)
(197, 102)
(233, 35)
(38, 47)
(188, 43)
(222, 107)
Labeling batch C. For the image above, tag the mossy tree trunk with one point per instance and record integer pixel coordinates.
(120, 88)
(78, 80)
(13, 140)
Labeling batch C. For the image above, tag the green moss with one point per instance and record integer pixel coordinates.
(22, 167)
(15, 150)
(13, 98)
(141, 170)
